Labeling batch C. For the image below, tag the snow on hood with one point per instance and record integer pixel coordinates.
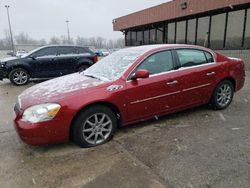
(59, 87)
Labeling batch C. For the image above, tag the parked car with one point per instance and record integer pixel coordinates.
(104, 52)
(98, 53)
(20, 53)
(46, 62)
(128, 86)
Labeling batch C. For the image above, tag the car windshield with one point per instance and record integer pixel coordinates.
(31, 52)
(113, 66)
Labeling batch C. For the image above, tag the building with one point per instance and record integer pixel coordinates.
(218, 24)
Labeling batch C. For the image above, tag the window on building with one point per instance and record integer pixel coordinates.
(158, 63)
(189, 57)
(128, 38)
(166, 33)
(133, 38)
(171, 33)
(217, 31)
(235, 29)
(146, 36)
(202, 32)
(139, 37)
(152, 36)
(247, 32)
(191, 31)
(159, 35)
(181, 32)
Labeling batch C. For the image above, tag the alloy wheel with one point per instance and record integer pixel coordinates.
(20, 77)
(224, 95)
(97, 128)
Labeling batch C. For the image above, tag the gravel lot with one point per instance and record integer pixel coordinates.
(194, 148)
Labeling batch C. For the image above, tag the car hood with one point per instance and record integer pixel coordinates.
(9, 59)
(56, 89)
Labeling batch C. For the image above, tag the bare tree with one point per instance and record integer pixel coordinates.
(54, 40)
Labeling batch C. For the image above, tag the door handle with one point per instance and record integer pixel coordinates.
(172, 82)
(210, 73)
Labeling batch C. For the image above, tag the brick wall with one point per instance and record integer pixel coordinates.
(242, 54)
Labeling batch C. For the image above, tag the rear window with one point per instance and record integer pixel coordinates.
(64, 50)
(209, 57)
(84, 50)
(191, 57)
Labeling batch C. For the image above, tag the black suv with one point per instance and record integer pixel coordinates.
(46, 62)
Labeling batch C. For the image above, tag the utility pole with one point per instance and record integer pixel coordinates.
(67, 21)
(11, 36)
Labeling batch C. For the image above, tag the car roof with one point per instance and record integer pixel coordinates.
(61, 45)
(155, 47)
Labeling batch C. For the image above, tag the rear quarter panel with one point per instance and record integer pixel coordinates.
(233, 68)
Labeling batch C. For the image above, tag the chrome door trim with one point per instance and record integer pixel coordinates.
(156, 97)
(196, 87)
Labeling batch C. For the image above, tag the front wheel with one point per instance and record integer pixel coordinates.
(19, 76)
(223, 95)
(94, 126)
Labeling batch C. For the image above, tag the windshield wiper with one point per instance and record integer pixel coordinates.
(99, 78)
(91, 76)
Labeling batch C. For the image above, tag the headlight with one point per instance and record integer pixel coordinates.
(40, 113)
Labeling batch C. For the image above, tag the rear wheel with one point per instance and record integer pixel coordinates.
(19, 76)
(223, 95)
(94, 126)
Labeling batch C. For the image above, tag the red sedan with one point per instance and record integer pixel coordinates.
(130, 85)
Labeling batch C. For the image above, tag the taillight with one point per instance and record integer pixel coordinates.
(95, 59)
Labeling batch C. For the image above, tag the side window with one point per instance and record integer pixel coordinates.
(158, 63)
(189, 57)
(64, 50)
(81, 50)
(50, 51)
(209, 57)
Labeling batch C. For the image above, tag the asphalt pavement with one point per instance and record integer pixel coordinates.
(195, 148)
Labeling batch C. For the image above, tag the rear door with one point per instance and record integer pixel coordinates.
(197, 75)
(67, 59)
(156, 94)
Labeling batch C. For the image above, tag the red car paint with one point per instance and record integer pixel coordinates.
(135, 101)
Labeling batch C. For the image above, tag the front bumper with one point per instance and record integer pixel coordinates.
(3, 73)
(44, 133)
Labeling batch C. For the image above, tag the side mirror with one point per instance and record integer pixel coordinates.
(141, 73)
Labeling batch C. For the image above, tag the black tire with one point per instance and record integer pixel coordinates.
(219, 96)
(83, 68)
(81, 124)
(19, 76)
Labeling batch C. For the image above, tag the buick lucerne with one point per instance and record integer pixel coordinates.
(128, 86)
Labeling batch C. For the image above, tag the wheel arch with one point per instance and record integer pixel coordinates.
(110, 105)
(231, 79)
(19, 67)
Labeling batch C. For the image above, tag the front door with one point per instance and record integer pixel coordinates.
(43, 62)
(156, 94)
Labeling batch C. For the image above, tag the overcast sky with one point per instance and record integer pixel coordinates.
(88, 18)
